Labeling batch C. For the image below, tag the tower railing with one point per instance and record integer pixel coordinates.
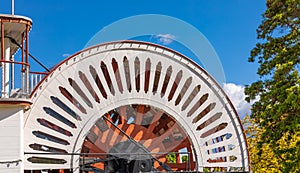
(35, 78)
(14, 72)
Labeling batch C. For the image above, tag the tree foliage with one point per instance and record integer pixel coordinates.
(277, 112)
(184, 158)
(265, 162)
(171, 158)
(264, 159)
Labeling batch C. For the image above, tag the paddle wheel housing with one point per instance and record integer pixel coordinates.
(88, 104)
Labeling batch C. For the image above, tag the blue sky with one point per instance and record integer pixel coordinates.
(64, 27)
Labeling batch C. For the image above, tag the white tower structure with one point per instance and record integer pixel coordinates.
(13, 102)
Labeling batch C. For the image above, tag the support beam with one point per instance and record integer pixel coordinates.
(27, 62)
(5, 69)
(2, 41)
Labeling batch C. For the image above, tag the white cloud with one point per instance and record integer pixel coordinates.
(237, 97)
(165, 38)
(65, 55)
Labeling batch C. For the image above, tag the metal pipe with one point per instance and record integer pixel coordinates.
(22, 69)
(40, 77)
(101, 154)
(27, 42)
(2, 57)
(27, 63)
(2, 83)
(40, 73)
(5, 69)
(12, 73)
(23, 82)
(13, 62)
(12, 7)
(2, 41)
(35, 80)
(189, 162)
(31, 82)
(22, 51)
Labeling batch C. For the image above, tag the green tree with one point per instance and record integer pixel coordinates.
(264, 159)
(267, 160)
(171, 158)
(184, 158)
(278, 110)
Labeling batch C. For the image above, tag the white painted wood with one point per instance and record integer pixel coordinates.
(106, 52)
(12, 139)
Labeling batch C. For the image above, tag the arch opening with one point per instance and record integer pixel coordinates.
(145, 137)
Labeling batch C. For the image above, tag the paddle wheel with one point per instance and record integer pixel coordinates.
(149, 134)
(132, 107)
